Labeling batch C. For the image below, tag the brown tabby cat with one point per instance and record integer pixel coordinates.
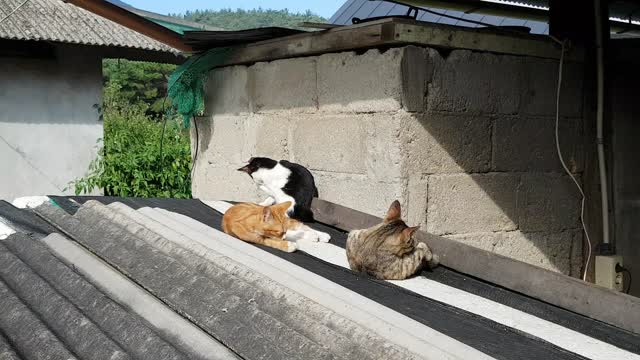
(388, 250)
(268, 225)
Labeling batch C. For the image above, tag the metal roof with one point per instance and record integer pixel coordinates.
(119, 278)
(365, 9)
(174, 23)
(58, 21)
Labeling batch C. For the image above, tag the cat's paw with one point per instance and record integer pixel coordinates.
(435, 261)
(422, 246)
(291, 246)
(323, 237)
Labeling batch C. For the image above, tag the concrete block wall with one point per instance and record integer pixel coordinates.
(465, 141)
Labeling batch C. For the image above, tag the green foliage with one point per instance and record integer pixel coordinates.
(139, 84)
(247, 19)
(129, 163)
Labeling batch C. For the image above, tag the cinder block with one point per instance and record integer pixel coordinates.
(416, 201)
(528, 144)
(370, 82)
(551, 251)
(548, 202)
(287, 85)
(330, 143)
(213, 182)
(479, 83)
(462, 203)
(418, 65)
(383, 156)
(359, 192)
(226, 91)
(541, 84)
(437, 143)
(270, 136)
(222, 138)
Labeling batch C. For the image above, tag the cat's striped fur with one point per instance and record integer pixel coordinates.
(388, 250)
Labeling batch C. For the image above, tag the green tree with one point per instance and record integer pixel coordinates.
(141, 84)
(247, 19)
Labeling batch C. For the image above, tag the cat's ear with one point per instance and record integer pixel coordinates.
(267, 215)
(282, 207)
(408, 232)
(393, 213)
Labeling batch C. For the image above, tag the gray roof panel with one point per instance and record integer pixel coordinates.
(247, 297)
(56, 20)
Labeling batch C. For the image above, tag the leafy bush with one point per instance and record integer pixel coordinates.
(129, 163)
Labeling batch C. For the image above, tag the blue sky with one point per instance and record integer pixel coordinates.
(324, 8)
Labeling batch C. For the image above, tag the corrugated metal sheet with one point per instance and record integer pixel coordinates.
(157, 279)
(365, 9)
(55, 20)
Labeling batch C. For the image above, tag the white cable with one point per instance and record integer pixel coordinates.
(584, 226)
(14, 10)
(602, 166)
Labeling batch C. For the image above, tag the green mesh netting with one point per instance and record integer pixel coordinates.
(186, 83)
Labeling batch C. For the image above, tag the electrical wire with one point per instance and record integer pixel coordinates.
(564, 165)
(164, 126)
(629, 274)
(14, 10)
(491, 26)
(458, 18)
(195, 154)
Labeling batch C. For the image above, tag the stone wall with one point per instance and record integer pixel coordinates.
(49, 121)
(464, 140)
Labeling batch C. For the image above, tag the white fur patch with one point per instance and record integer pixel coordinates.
(271, 181)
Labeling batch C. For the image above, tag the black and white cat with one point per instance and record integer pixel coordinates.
(284, 181)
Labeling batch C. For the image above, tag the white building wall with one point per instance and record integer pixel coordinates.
(49, 121)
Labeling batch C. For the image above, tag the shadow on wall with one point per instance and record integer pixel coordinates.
(466, 141)
(66, 89)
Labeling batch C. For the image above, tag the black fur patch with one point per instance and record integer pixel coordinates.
(300, 186)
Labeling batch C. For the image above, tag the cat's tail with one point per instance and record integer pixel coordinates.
(219, 206)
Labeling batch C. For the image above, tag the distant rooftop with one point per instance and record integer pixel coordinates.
(59, 21)
(621, 11)
(173, 23)
(366, 9)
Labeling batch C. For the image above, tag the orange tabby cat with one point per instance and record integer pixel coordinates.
(268, 225)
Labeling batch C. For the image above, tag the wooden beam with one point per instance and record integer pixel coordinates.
(134, 22)
(315, 25)
(395, 33)
(590, 300)
(504, 42)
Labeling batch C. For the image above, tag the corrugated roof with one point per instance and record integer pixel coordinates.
(55, 20)
(118, 278)
(366, 9)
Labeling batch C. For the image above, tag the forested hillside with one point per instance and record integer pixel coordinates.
(246, 19)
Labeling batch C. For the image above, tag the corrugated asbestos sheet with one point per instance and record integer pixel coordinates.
(366, 9)
(120, 278)
(55, 20)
